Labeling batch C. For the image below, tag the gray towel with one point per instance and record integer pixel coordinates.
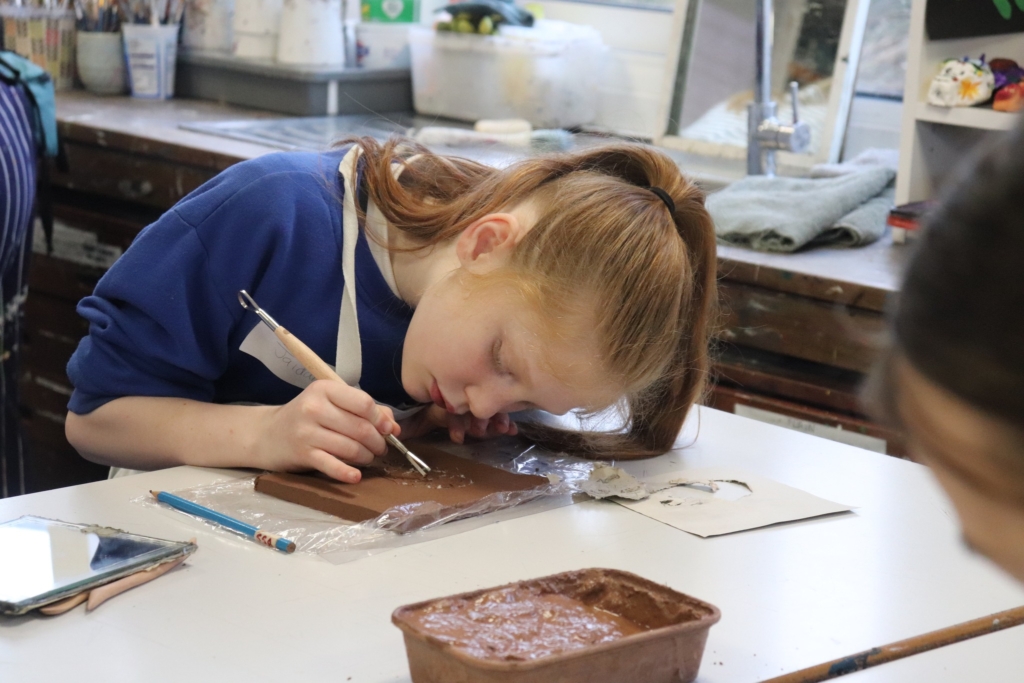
(785, 214)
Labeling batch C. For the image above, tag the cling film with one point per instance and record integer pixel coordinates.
(337, 540)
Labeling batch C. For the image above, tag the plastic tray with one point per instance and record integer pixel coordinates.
(289, 89)
(669, 651)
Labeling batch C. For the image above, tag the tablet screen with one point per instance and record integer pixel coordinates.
(44, 560)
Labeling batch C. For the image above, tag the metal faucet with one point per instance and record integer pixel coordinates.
(765, 134)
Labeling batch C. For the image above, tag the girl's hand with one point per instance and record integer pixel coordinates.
(326, 426)
(459, 426)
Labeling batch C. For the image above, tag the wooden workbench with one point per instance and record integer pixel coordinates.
(798, 330)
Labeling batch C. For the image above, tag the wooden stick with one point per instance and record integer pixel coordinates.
(904, 648)
(305, 355)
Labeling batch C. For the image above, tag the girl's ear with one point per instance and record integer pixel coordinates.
(488, 242)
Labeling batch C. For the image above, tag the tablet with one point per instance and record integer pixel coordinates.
(45, 560)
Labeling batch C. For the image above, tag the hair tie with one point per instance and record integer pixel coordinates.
(663, 196)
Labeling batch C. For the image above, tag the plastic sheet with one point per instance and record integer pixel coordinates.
(339, 541)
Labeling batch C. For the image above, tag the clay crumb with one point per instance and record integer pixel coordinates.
(606, 481)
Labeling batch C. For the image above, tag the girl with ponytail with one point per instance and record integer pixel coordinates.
(447, 294)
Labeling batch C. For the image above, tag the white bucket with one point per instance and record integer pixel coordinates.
(256, 27)
(100, 60)
(311, 33)
(255, 45)
(208, 25)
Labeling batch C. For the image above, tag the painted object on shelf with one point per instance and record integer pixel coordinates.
(962, 83)
(1009, 95)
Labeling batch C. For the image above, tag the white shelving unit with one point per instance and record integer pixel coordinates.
(934, 139)
(968, 117)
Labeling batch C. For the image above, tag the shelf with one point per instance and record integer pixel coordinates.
(968, 117)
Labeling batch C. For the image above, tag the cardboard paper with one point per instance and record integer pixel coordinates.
(715, 501)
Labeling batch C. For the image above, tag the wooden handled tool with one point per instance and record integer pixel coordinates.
(319, 369)
(904, 648)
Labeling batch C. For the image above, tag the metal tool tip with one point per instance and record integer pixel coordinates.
(245, 299)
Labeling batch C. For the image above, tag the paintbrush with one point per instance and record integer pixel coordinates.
(319, 369)
(904, 648)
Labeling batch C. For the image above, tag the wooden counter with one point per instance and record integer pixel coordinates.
(799, 330)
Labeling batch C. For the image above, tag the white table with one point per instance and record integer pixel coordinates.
(791, 595)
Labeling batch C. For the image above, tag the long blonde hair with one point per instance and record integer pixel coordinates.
(601, 231)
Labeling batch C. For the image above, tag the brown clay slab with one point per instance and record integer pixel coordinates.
(454, 483)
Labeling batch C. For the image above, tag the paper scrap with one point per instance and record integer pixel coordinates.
(715, 501)
(606, 481)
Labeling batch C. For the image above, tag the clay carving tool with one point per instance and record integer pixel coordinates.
(319, 369)
(904, 648)
(265, 537)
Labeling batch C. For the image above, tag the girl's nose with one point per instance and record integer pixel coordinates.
(485, 402)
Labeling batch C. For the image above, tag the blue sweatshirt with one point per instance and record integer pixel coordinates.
(165, 319)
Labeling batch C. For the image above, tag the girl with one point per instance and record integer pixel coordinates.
(954, 378)
(563, 282)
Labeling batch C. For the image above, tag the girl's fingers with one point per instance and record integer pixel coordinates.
(478, 427)
(457, 434)
(352, 412)
(348, 437)
(334, 468)
(392, 424)
(360, 403)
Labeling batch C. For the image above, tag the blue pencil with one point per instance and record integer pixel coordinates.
(264, 537)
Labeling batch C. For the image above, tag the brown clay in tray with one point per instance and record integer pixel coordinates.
(592, 625)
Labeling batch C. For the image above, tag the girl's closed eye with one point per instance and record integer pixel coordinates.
(499, 365)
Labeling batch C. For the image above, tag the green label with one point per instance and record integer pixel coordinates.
(396, 11)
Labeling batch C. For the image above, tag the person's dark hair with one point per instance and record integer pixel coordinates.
(959, 318)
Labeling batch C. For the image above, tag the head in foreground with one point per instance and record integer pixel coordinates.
(954, 378)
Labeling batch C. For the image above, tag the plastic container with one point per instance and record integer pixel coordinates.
(151, 52)
(382, 46)
(667, 650)
(292, 89)
(547, 74)
(100, 58)
(44, 36)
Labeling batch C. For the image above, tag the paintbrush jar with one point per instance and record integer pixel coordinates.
(585, 626)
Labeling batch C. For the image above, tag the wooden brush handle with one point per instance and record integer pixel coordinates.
(904, 648)
(321, 370)
(305, 355)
